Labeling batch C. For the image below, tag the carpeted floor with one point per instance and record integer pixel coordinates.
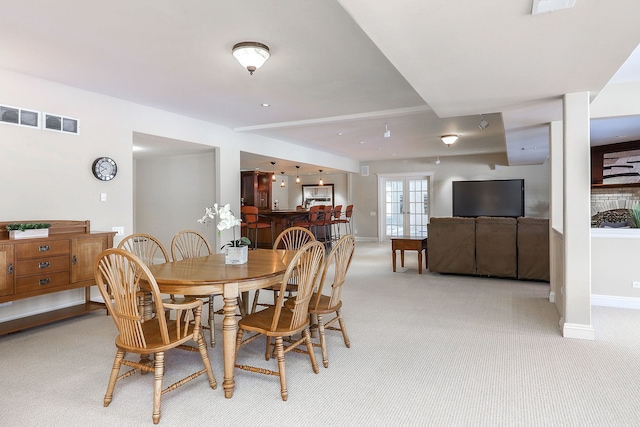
(426, 350)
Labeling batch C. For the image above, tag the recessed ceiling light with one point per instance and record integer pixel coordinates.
(361, 142)
(265, 105)
(340, 133)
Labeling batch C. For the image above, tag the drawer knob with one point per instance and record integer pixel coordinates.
(44, 264)
(74, 260)
(44, 248)
(44, 281)
(10, 269)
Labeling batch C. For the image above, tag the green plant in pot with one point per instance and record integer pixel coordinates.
(27, 226)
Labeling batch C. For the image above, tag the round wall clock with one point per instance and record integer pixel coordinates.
(104, 168)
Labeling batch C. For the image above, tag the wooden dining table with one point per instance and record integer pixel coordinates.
(210, 275)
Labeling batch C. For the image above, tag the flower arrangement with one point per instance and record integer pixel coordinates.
(227, 221)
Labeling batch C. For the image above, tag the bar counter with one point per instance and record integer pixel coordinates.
(281, 220)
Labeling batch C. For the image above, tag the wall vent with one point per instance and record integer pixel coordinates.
(19, 116)
(61, 124)
(364, 170)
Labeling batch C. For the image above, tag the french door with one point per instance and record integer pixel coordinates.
(406, 206)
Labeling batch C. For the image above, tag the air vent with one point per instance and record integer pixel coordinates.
(61, 124)
(19, 116)
(364, 170)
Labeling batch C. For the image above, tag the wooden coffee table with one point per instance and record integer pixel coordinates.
(408, 243)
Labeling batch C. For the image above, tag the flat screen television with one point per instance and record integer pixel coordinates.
(489, 198)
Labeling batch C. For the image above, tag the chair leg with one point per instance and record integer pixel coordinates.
(115, 370)
(343, 329)
(267, 353)
(254, 305)
(157, 385)
(281, 370)
(204, 354)
(212, 337)
(323, 342)
(312, 355)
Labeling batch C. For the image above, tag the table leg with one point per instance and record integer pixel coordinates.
(420, 261)
(402, 257)
(229, 328)
(393, 255)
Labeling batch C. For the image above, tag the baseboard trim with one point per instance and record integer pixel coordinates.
(578, 331)
(615, 301)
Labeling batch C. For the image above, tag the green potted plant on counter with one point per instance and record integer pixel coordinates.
(28, 230)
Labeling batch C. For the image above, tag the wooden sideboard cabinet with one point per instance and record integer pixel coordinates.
(39, 266)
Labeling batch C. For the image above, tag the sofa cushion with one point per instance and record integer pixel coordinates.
(496, 249)
(451, 245)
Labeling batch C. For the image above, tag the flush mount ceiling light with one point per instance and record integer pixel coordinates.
(273, 175)
(251, 55)
(483, 123)
(545, 6)
(387, 132)
(449, 139)
(298, 175)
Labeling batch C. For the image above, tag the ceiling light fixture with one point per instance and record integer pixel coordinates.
(273, 175)
(321, 182)
(282, 184)
(298, 174)
(449, 139)
(438, 160)
(483, 123)
(251, 55)
(387, 132)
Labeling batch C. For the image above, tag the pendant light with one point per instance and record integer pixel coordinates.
(320, 182)
(273, 175)
(298, 175)
(282, 184)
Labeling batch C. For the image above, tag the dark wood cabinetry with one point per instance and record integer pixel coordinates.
(39, 266)
(256, 189)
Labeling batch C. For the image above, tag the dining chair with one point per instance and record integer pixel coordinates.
(253, 222)
(290, 239)
(192, 244)
(119, 274)
(329, 303)
(279, 321)
(150, 251)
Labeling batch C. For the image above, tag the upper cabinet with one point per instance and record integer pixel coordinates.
(256, 189)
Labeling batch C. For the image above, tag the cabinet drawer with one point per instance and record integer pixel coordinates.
(42, 281)
(44, 265)
(42, 249)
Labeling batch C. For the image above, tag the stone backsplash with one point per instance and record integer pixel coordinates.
(605, 199)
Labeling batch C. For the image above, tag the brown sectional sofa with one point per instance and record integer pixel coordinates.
(490, 246)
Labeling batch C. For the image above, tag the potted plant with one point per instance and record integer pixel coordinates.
(237, 250)
(28, 230)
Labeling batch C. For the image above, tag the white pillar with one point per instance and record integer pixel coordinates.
(577, 222)
(556, 214)
(228, 186)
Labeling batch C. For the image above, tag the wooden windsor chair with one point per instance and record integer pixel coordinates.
(279, 321)
(119, 275)
(188, 244)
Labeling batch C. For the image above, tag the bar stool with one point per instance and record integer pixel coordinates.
(347, 219)
(252, 221)
(335, 222)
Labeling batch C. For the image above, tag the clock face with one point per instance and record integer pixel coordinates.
(104, 168)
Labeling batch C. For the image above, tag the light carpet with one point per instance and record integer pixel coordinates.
(426, 350)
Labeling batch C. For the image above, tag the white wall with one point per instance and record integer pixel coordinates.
(47, 175)
(458, 168)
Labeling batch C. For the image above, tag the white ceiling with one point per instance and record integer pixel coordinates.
(422, 68)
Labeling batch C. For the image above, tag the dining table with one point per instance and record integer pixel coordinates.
(210, 275)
